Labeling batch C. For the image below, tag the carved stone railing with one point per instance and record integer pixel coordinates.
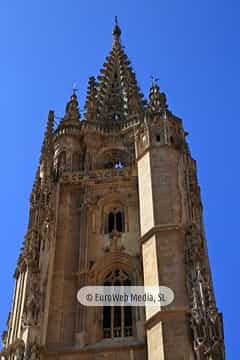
(112, 127)
(102, 174)
(105, 128)
(73, 130)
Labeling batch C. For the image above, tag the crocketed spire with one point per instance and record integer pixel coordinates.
(117, 96)
(91, 103)
(47, 142)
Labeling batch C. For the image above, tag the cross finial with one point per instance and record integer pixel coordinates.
(154, 80)
(74, 88)
(116, 30)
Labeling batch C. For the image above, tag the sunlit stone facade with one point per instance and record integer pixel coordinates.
(115, 200)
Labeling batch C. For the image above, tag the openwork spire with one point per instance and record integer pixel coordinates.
(118, 96)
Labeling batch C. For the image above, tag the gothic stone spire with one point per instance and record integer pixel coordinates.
(91, 105)
(118, 95)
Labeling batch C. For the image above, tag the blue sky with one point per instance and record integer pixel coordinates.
(192, 46)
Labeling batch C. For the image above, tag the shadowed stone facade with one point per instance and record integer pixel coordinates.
(115, 199)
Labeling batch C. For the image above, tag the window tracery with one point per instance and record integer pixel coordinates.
(117, 320)
(114, 220)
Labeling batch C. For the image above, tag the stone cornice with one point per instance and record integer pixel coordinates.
(104, 346)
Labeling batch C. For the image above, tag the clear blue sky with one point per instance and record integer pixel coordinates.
(192, 46)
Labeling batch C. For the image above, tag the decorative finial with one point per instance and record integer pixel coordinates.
(91, 103)
(116, 31)
(154, 81)
(74, 88)
(157, 99)
(72, 111)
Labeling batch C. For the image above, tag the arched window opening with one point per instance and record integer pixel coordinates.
(115, 221)
(113, 159)
(128, 321)
(119, 221)
(117, 320)
(158, 138)
(115, 116)
(107, 321)
(111, 222)
(118, 165)
(114, 165)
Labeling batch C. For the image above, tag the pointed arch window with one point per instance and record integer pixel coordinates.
(117, 320)
(119, 221)
(114, 221)
(61, 163)
(111, 222)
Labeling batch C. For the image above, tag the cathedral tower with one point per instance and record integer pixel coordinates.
(115, 201)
